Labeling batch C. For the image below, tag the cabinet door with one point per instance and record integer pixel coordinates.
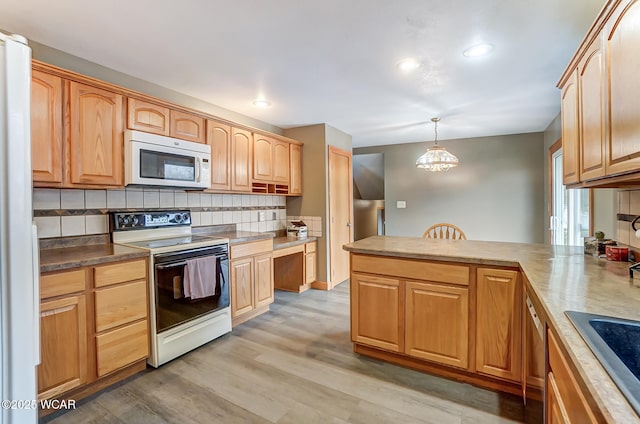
(437, 323)
(281, 161)
(187, 126)
(623, 38)
(96, 136)
(63, 346)
(145, 116)
(242, 296)
(570, 130)
(295, 175)
(310, 267)
(264, 279)
(263, 157)
(592, 113)
(46, 127)
(219, 138)
(376, 312)
(556, 412)
(241, 151)
(498, 325)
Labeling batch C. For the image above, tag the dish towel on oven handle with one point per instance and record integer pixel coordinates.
(200, 277)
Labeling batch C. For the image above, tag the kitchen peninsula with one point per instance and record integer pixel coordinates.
(457, 309)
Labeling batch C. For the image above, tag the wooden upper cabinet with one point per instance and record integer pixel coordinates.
(219, 138)
(281, 161)
(592, 113)
(437, 323)
(46, 127)
(295, 173)
(96, 136)
(498, 323)
(570, 131)
(149, 117)
(187, 126)
(263, 157)
(622, 40)
(241, 159)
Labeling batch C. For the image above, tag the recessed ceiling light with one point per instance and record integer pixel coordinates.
(478, 50)
(408, 64)
(261, 103)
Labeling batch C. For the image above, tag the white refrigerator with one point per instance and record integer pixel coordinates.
(19, 267)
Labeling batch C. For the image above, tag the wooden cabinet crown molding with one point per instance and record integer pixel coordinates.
(126, 92)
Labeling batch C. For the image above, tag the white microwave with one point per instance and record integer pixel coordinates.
(156, 160)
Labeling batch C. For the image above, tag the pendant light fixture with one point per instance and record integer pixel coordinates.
(437, 158)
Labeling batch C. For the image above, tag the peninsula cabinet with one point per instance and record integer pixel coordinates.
(600, 109)
(454, 319)
(94, 328)
(498, 323)
(46, 127)
(251, 279)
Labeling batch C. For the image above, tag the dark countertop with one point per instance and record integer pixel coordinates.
(284, 242)
(237, 237)
(61, 258)
(561, 278)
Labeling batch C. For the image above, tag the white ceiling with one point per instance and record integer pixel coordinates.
(334, 61)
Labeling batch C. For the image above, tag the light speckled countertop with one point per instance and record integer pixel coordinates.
(562, 278)
(283, 242)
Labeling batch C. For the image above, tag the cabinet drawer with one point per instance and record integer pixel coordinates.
(253, 248)
(62, 283)
(419, 270)
(118, 348)
(568, 391)
(106, 275)
(310, 247)
(119, 305)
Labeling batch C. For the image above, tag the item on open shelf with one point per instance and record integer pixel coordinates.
(297, 229)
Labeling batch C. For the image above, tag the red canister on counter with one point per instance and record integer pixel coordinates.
(617, 253)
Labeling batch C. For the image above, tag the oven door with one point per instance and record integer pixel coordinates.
(172, 306)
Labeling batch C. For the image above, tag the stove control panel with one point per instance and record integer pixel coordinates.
(122, 221)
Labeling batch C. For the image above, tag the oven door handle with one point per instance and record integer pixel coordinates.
(183, 263)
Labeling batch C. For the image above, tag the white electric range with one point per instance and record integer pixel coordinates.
(178, 322)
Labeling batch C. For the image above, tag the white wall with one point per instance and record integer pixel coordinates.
(495, 194)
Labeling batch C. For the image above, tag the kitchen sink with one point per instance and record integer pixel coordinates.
(616, 344)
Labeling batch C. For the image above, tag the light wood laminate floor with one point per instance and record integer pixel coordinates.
(294, 365)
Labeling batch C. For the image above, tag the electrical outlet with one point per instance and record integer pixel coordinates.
(274, 216)
(262, 216)
(401, 204)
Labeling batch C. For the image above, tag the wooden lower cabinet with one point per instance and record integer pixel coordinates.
(63, 345)
(310, 267)
(437, 323)
(251, 276)
(498, 325)
(566, 403)
(376, 312)
(93, 323)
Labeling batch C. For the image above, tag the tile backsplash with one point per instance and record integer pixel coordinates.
(314, 224)
(70, 212)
